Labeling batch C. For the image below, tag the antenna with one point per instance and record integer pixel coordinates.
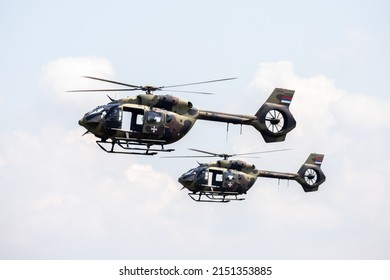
(227, 132)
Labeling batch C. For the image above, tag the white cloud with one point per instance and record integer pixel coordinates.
(352, 130)
(363, 112)
(64, 74)
(313, 97)
(62, 190)
(65, 198)
(158, 189)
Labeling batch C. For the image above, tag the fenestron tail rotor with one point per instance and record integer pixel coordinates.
(310, 176)
(274, 121)
(148, 88)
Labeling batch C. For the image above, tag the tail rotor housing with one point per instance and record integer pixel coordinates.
(274, 119)
(310, 175)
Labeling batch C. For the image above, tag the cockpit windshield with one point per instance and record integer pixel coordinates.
(102, 111)
(97, 110)
(190, 172)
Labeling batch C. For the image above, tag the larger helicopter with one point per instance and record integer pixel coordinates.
(137, 123)
(227, 180)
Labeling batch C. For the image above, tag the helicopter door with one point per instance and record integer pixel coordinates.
(215, 178)
(154, 123)
(228, 179)
(132, 119)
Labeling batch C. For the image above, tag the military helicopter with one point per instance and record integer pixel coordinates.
(137, 123)
(227, 180)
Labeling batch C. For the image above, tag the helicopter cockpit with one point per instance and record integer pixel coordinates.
(213, 184)
(110, 113)
(96, 114)
(194, 178)
(205, 176)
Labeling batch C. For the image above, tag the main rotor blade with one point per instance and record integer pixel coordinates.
(187, 156)
(205, 152)
(198, 83)
(250, 157)
(247, 155)
(263, 152)
(188, 91)
(110, 81)
(97, 90)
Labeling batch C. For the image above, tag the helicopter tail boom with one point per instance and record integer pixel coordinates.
(309, 176)
(273, 120)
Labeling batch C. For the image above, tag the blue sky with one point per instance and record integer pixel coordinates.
(63, 198)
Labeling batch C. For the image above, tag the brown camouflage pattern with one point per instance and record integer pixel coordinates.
(164, 119)
(236, 177)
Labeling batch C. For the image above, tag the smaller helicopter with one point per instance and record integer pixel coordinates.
(226, 180)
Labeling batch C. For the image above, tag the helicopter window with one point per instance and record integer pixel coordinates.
(216, 178)
(205, 174)
(139, 120)
(97, 110)
(136, 119)
(190, 172)
(113, 118)
(169, 118)
(229, 176)
(126, 120)
(114, 115)
(154, 117)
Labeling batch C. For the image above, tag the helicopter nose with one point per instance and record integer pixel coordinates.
(83, 122)
(91, 124)
(186, 180)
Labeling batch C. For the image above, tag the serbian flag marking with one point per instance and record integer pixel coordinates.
(318, 160)
(286, 99)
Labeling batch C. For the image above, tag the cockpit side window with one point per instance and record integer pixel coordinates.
(204, 174)
(114, 115)
(114, 118)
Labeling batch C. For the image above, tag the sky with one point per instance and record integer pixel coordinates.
(64, 198)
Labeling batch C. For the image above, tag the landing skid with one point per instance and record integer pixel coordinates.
(215, 197)
(131, 148)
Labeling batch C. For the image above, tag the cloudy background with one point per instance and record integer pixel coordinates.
(61, 197)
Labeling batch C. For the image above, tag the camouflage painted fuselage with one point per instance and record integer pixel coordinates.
(235, 177)
(146, 118)
(150, 119)
(224, 176)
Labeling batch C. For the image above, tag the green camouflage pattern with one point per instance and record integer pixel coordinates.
(149, 119)
(217, 181)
